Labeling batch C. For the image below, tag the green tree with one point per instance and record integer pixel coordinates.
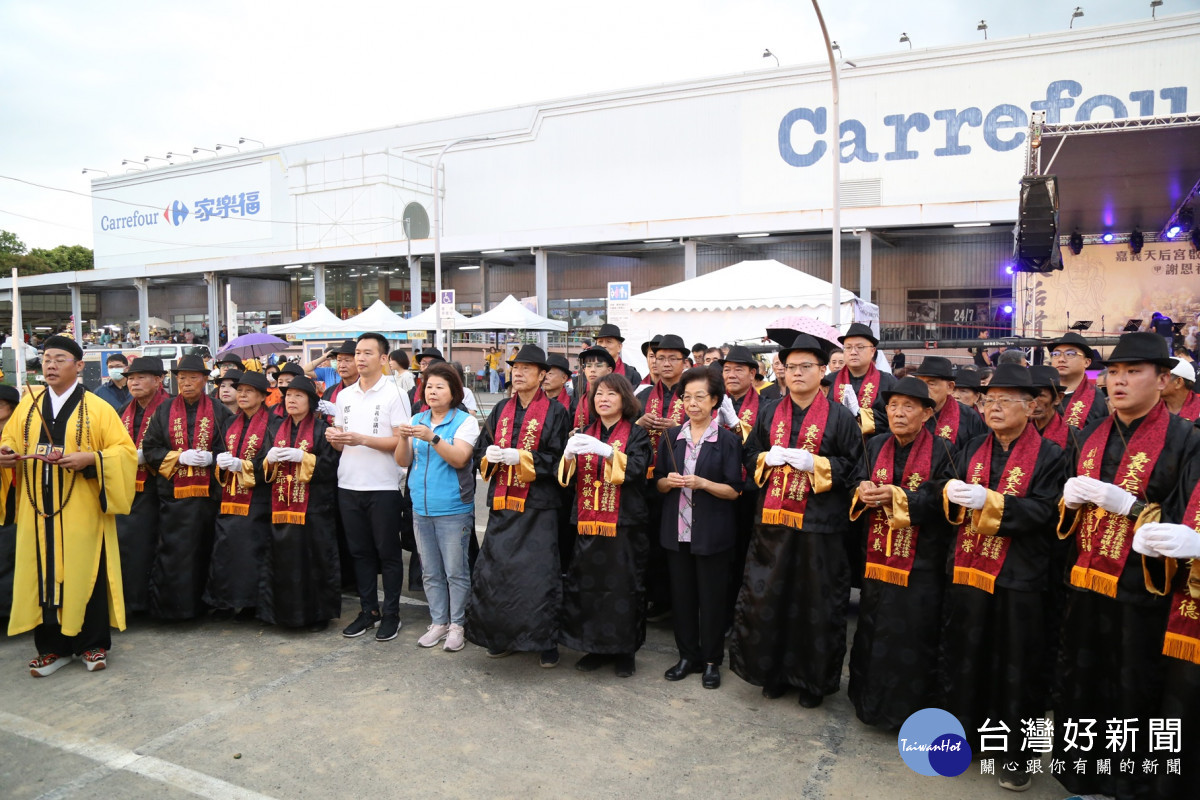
(10, 244)
(64, 258)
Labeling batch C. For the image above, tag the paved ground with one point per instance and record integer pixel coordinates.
(223, 710)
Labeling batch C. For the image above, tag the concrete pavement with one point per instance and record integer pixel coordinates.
(224, 710)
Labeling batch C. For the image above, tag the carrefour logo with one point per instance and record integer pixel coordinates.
(242, 204)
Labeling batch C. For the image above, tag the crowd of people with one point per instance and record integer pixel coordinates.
(1020, 537)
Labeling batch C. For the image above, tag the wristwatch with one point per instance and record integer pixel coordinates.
(1136, 509)
(435, 440)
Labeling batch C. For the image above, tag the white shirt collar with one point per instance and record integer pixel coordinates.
(57, 401)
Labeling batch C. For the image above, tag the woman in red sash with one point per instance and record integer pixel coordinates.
(300, 583)
(893, 664)
(1003, 502)
(1125, 466)
(243, 524)
(606, 462)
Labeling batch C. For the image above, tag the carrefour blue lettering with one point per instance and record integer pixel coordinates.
(135, 220)
(1003, 127)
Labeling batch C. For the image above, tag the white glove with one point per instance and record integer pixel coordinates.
(293, 454)
(725, 414)
(327, 408)
(273, 455)
(776, 456)
(599, 448)
(141, 457)
(574, 446)
(1074, 493)
(195, 458)
(228, 461)
(492, 454)
(967, 495)
(1108, 496)
(510, 456)
(850, 399)
(799, 459)
(1167, 539)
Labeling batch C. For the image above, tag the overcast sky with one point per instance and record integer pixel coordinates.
(87, 84)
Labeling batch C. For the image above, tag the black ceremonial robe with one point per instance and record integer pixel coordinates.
(893, 662)
(789, 627)
(240, 542)
(1110, 662)
(516, 586)
(137, 534)
(970, 425)
(301, 578)
(186, 523)
(993, 649)
(603, 594)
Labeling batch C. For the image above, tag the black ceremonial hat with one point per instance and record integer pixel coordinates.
(859, 329)
(432, 352)
(255, 380)
(1074, 340)
(911, 387)
(652, 344)
(610, 331)
(600, 353)
(292, 368)
(1011, 376)
(302, 383)
(190, 363)
(739, 355)
(1045, 377)
(145, 364)
(807, 343)
(936, 367)
(231, 358)
(967, 379)
(531, 354)
(559, 362)
(58, 342)
(1141, 346)
(9, 394)
(672, 342)
(233, 375)
(346, 348)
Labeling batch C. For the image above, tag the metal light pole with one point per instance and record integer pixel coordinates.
(437, 234)
(836, 152)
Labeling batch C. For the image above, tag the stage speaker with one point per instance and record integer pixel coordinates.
(1035, 236)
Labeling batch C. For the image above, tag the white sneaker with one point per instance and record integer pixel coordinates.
(455, 641)
(48, 664)
(433, 635)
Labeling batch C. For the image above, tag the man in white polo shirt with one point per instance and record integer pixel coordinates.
(366, 431)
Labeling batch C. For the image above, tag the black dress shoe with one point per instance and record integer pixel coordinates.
(712, 677)
(625, 666)
(810, 700)
(774, 692)
(682, 670)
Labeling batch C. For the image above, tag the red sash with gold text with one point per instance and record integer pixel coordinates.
(1104, 539)
(978, 559)
(948, 420)
(582, 412)
(511, 491)
(289, 501)
(156, 400)
(191, 481)
(867, 393)
(1076, 412)
(1191, 408)
(1056, 430)
(599, 502)
(890, 553)
(235, 498)
(748, 415)
(654, 405)
(788, 489)
(1183, 623)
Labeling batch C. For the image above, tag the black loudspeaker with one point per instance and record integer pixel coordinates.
(1035, 236)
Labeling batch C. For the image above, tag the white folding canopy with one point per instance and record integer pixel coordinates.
(511, 315)
(319, 320)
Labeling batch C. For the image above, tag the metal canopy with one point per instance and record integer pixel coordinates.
(1118, 175)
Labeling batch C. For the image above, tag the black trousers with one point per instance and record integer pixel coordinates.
(698, 593)
(94, 633)
(372, 527)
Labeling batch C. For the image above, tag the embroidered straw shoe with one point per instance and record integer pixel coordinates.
(95, 660)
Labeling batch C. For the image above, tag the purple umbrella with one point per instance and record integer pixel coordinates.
(784, 330)
(254, 345)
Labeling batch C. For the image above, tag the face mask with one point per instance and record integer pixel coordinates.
(116, 374)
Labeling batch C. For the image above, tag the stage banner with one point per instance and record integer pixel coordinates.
(1111, 285)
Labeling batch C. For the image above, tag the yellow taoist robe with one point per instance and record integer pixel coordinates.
(87, 521)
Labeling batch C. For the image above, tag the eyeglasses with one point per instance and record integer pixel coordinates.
(858, 348)
(668, 359)
(58, 361)
(1001, 402)
(797, 369)
(696, 398)
(1069, 355)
